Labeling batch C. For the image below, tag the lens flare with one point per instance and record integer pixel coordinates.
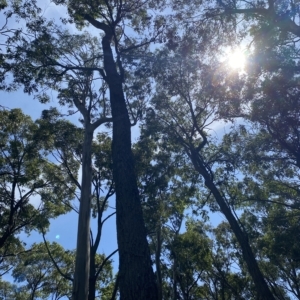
(236, 59)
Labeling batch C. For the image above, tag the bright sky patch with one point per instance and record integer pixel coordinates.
(236, 59)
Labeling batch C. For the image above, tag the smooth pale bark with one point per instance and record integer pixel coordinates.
(82, 262)
(92, 279)
(174, 267)
(136, 277)
(262, 288)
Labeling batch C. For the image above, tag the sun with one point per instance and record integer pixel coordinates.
(236, 59)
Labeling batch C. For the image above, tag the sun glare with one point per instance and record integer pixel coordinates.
(236, 59)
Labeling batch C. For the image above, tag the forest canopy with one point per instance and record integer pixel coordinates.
(178, 120)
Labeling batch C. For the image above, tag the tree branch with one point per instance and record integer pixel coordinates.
(99, 25)
(100, 122)
(54, 262)
(104, 262)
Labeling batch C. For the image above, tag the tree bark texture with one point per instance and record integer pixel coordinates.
(136, 277)
(157, 261)
(262, 288)
(82, 262)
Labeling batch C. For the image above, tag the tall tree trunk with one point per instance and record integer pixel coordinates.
(92, 279)
(262, 288)
(136, 277)
(157, 261)
(82, 262)
(174, 274)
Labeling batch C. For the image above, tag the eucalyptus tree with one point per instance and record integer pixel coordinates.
(80, 93)
(33, 189)
(189, 257)
(46, 57)
(41, 277)
(270, 96)
(136, 278)
(37, 277)
(187, 102)
(189, 265)
(269, 141)
(14, 15)
(269, 195)
(67, 142)
(64, 143)
(276, 245)
(168, 189)
(103, 190)
(10, 290)
(206, 265)
(270, 87)
(78, 86)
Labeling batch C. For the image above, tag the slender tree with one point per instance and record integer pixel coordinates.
(33, 189)
(136, 278)
(188, 91)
